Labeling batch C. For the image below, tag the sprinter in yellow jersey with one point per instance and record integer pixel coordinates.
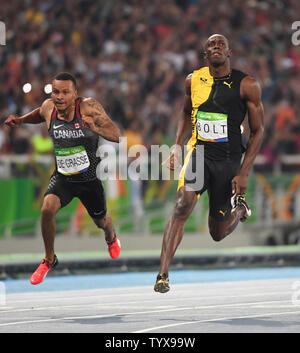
(217, 99)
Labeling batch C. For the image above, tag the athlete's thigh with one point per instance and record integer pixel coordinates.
(60, 188)
(220, 188)
(194, 175)
(92, 196)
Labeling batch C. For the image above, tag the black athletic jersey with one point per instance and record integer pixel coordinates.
(217, 115)
(74, 147)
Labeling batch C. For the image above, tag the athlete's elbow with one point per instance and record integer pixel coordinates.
(258, 133)
(111, 133)
(117, 135)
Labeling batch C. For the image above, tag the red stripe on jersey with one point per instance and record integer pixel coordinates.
(77, 110)
(53, 114)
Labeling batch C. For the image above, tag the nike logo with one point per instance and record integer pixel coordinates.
(57, 126)
(228, 84)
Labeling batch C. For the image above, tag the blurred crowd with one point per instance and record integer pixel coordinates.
(133, 56)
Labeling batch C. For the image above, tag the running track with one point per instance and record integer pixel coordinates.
(200, 301)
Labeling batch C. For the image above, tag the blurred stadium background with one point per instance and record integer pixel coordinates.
(133, 56)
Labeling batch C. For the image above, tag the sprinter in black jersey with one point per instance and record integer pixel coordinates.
(217, 99)
(74, 124)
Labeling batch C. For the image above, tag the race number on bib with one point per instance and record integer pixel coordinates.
(212, 127)
(73, 160)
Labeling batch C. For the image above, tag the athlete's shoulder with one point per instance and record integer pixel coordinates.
(204, 70)
(85, 100)
(88, 103)
(46, 108)
(250, 88)
(188, 83)
(250, 81)
(202, 76)
(188, 79)
(48, 103)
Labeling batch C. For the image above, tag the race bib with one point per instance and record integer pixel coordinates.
(212, 127)
(73, 160)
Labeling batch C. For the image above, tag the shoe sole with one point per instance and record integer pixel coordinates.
(246, 216)
(247, 209)
(161, 287)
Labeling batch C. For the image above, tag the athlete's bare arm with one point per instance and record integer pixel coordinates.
(33, 117)
(37, 116)
(184, 127)
(251, 92)
(95, 118)
(46, 109)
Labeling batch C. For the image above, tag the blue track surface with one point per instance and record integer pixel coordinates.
(114, 280)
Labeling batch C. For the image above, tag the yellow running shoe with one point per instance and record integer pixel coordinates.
(162, 283)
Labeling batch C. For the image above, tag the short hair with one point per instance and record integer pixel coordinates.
(215, 35)
(65, 76)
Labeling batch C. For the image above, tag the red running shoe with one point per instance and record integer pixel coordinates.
(114, 248)
(41, 272)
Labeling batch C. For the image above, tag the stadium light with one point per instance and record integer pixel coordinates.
(48, 88)
(27, 88)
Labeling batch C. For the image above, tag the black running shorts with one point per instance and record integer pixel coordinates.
(216, 180)
(90, 193)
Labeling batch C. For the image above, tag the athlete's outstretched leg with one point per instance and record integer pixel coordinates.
(185, 203)
(50, 207)
(106, 224)
(113, 242)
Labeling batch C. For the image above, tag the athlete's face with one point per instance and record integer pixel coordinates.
(217, 50)
(63, 94)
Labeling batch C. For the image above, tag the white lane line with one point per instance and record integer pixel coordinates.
(156, 296)
(173, 309)
(142, 291)
(89, 317)
(214, 320)
(55, 298)
(261, 304)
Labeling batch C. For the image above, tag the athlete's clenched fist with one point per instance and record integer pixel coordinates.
(88, 122)
(12, 121)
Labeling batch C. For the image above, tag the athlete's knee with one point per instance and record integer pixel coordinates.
(48, 211)
(217, 231)
(50, 206)
(217, 235)
(182, 208)
(103, 223)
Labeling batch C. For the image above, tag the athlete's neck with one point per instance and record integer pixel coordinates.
(66, 114)
(220, 71)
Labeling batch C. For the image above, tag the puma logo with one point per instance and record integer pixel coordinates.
(222, 213)
(228, 84)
